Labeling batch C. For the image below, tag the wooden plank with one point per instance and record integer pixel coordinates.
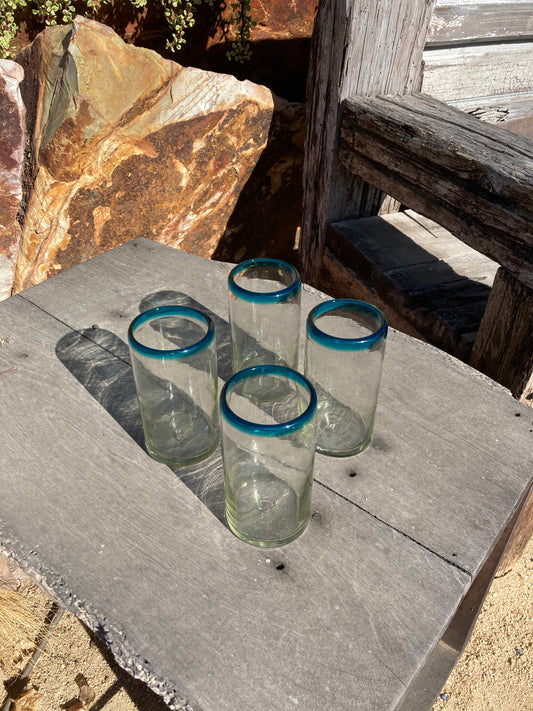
(512, 113)
(425, 274)
(461, 23)
(477, 178)
(519, 539)
(357, 48)
(182, 603)
(111, 288)
(406, 239)
(443, 658)
(504, 345)
(476, 71)
(341, 282)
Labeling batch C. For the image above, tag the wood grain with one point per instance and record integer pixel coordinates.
(425, 275)
(155, 274)
(182, 603)
(478, 71)
(344, 617)
(477, 179)
(460, 23)
(504, 345)
(357, 48)
(514, 113)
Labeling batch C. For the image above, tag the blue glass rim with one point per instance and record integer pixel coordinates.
(277, 429)
(346, 344)
(264, 297)
(171, 310)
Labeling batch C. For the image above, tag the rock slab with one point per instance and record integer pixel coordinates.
(128, 144)
(12, 137)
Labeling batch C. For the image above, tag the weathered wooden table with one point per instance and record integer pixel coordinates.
(367, 610)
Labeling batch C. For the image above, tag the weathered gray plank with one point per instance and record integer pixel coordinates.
(422, 272)
(485, 70)
(460, 23)
(512, 113)
(504, 346)
(182, 603)
(424, 394)
(477, 178)
(357, 48)
(406, 239)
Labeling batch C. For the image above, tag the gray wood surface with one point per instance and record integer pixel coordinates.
(504, 345)
(477, 178)
(424, 273)
(459, 22)
(514, 113)
(486, 70)
(357, 49)
(142, 554)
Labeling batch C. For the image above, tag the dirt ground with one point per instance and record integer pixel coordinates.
(495, 672)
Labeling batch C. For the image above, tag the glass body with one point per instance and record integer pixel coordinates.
(173, 355)
(264, 313)
(268, 452)
(345, 345)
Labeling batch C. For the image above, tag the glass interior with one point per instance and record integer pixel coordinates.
(170, 332)
(266, 278)
(346, 322)
(249, 399)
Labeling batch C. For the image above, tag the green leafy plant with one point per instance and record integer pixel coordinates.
(179, 15)
(241, 18)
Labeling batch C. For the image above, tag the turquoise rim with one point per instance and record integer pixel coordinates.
(268, 430)
(162, 311)
(346, 344)
(269, 297)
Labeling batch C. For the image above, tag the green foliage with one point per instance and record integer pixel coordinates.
(179, 15)
(241, 18)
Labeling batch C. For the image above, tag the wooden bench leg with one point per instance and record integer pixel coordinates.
(503, 348)
(423, 691)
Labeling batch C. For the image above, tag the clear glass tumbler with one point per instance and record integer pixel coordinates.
(264, 313)
(173, 355)
(345, 345)
(268, 452)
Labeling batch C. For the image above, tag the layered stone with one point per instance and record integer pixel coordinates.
(12, 122)
(127, 144)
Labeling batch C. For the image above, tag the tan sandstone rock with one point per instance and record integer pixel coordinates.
(12, 136)
(127, 144)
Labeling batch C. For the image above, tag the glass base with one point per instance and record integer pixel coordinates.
(344, 452)
(260, 543)
(341, 432)
(265, 512)
(181, 461)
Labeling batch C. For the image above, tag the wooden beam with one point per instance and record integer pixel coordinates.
(453, 73)
(365, 48)
(512, 113)
(503, 348)
(458, 23)
(474, 179)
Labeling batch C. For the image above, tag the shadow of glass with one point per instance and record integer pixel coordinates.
(100, 361)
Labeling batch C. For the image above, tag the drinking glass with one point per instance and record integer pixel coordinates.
(173, 355)
(264, 313)
(345, 345)
(268, 453)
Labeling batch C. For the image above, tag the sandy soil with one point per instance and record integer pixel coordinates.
(495, 673)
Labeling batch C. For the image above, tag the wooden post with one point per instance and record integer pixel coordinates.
(503, 348)
(359, 47)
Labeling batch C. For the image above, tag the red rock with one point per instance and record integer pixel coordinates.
(12, 123)
(128, 144)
